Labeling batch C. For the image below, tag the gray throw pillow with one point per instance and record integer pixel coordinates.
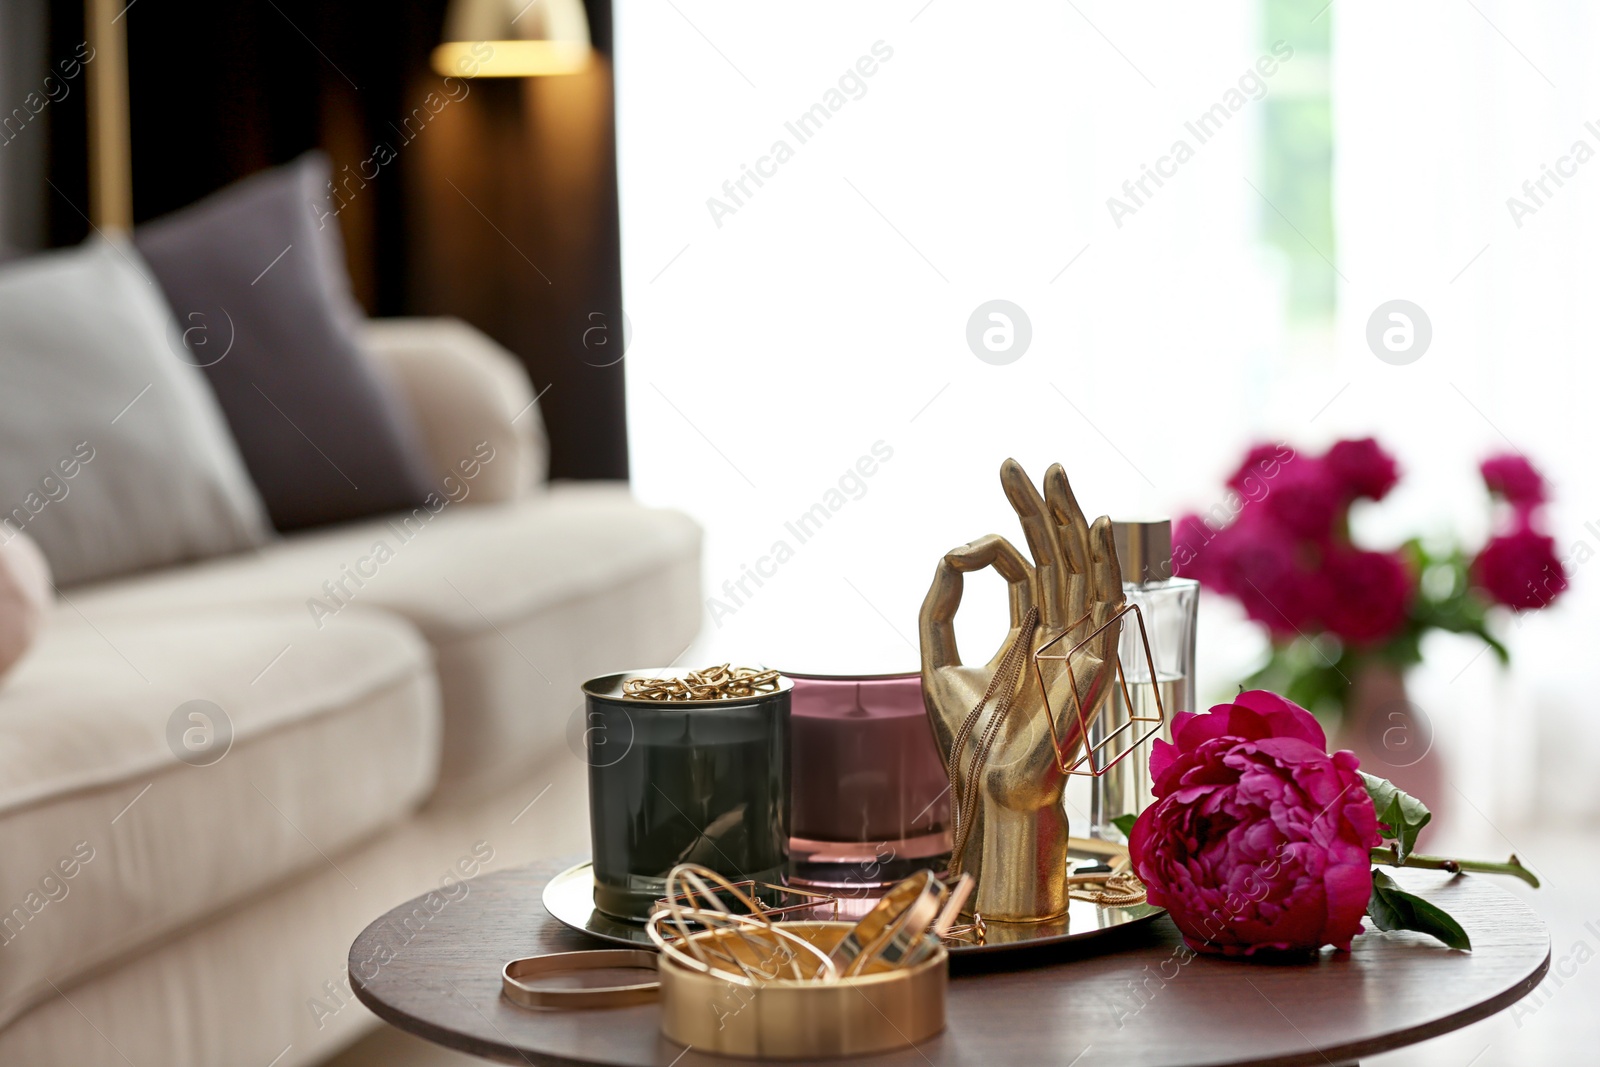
(113, 454)
(256, 276)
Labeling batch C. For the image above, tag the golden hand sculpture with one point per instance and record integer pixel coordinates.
(990, 722)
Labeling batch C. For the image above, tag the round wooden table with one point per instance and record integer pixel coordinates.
(432, 967)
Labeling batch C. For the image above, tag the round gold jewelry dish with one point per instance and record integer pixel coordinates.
(515, 976)
(743, 985)
(786, 1018)
(900, 930)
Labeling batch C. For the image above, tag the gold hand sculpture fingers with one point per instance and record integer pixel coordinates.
(944, 598)
(990, 722)
(1072, 528)
(1049, 559)
(1095, 668)
(1094, 591)
(1073, 531)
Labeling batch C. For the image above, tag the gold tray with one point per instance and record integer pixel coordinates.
(569, 898)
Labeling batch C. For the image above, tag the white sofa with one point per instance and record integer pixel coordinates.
(420, 727)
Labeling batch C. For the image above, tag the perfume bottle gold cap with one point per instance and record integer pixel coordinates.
(1144, 549)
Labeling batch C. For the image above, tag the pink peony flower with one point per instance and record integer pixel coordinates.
(1520, 569)
(1261, 464)
(1514, 478)
(1371, 594)
(1253, 562)
(1305, 498)
(1362, 468)
(1190, 539)
(1259, 839)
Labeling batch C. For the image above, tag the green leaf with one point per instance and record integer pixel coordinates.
(1125, 824)
(1401, 816)
(1392, 908)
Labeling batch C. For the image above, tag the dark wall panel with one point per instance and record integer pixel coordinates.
(493, 200)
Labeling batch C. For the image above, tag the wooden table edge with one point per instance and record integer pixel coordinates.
(1395, 1040)
(454, 1039)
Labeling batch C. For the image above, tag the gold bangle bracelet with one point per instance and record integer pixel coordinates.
(554, 963)
(895, 928)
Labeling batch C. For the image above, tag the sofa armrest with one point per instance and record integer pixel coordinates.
(466, 391)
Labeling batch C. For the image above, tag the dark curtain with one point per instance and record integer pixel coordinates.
(499, 207)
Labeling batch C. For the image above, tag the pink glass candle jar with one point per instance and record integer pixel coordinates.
(871, 799)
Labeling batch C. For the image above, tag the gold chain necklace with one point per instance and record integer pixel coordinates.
(713, 683)
(1005, 683)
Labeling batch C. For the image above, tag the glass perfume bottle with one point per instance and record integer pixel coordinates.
(1168, 606)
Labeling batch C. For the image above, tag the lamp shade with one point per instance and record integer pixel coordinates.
(513, 38)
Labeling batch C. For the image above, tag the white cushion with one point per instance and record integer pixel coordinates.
(24, 595)
(109, 841)
(521, 601)
(467, 394)
(113, 452)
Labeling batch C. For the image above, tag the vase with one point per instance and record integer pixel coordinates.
(1394, 738)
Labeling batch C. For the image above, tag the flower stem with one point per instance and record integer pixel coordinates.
(1513, 866)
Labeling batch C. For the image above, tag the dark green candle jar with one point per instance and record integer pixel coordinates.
(690, 781)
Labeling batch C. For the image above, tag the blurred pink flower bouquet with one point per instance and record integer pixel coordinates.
(1280, 545)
